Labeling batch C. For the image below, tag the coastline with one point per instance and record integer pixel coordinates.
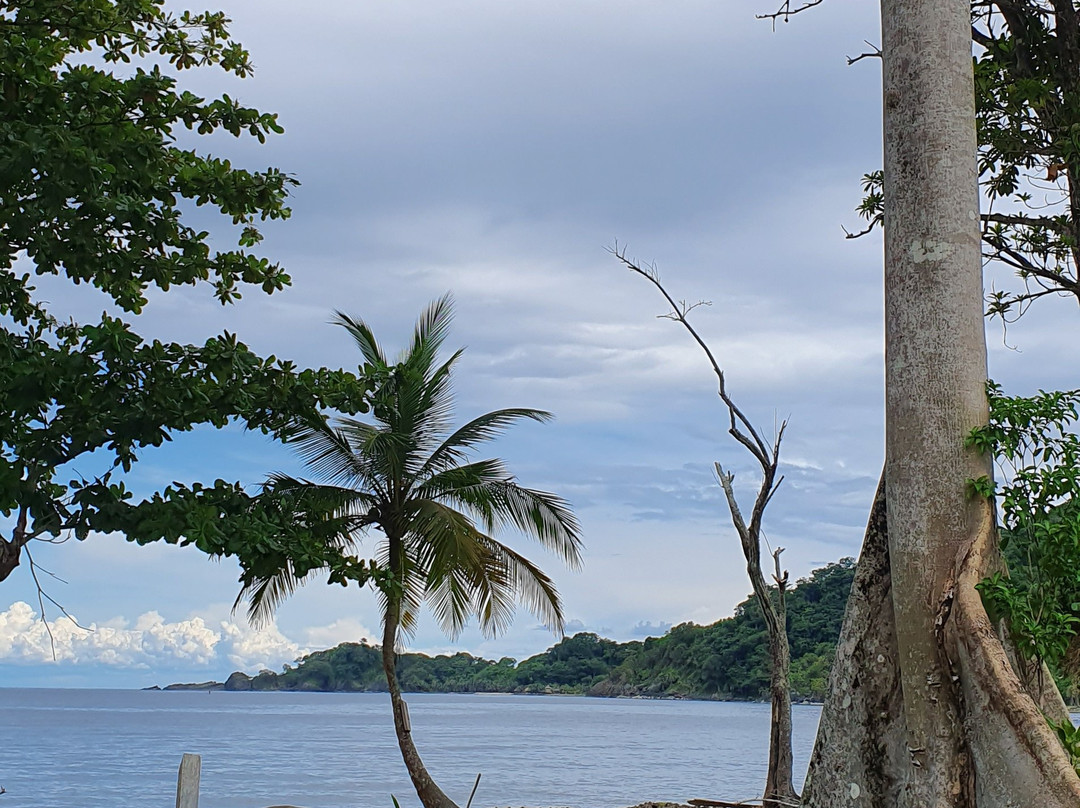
(220, 687)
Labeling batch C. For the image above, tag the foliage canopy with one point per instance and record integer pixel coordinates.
(96, 189)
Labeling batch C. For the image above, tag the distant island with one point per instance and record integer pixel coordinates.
(725, 660)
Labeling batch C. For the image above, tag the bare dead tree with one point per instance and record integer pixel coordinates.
(779, 786)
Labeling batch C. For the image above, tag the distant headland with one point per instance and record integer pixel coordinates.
(725, 660)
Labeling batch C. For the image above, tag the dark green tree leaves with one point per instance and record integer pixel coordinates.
(96, 189)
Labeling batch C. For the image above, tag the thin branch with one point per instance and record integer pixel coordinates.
(867, 230)
(1024, 221)
(42, 596)
(752, 441)
(874, 53)
(982, 38)
(786, 12)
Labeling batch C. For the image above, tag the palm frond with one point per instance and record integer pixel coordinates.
(380, 455)
(431, 331)
(468, 486)
(530, 585)
(483, 428)
(539, 515)
(331, 510)
(446, 544)
(363, 337)
(432, 408)
(328, 452)
(265, 594)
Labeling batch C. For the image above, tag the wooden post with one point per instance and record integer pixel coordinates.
(187, 782)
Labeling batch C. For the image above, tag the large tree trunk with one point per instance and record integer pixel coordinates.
(938, 717)
(860, 741)
(429, 793)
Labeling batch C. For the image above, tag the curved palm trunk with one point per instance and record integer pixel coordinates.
(429, 793)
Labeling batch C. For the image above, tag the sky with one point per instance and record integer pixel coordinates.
(498, 151)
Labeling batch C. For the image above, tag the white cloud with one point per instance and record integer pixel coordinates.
(25, 638)
(148, 643)
(249, 649)
(345, 629)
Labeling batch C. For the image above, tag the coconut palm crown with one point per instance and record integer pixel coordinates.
(409, 476)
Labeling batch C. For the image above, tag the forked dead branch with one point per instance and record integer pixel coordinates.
(779, 786)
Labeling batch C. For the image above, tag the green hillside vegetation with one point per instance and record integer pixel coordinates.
(726, 660)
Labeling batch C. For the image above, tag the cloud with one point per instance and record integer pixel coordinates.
(345, 629)
(26, 639)
(150, 642)
(649, 629)
(249, 649)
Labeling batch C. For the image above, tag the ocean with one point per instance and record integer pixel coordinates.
(119, 748)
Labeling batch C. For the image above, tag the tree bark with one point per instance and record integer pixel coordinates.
(860, 740)
(9, 557)
(429, 793)
(934, 715)
(779, 785)
(11, 549)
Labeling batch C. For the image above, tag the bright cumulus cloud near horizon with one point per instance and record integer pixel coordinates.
(497, 151)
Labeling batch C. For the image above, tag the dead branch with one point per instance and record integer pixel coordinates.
(779, 789)
(786, 12)
(873, 53)
(42, 596)
(740, 427)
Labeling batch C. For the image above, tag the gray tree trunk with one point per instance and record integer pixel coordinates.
(860, 740)
(779, 785)
(966, 732)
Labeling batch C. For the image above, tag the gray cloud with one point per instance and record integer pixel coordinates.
(496, 150)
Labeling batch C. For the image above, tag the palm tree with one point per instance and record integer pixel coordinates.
(409, 476)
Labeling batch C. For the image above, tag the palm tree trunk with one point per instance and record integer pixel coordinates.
(429, 793)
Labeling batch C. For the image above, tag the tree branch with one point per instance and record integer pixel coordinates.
(873, 54)
(786, 12)
(750, 438)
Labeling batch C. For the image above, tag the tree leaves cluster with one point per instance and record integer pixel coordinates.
(1038, 454)
(1027, 90)
(97, 188)
(1027, 100)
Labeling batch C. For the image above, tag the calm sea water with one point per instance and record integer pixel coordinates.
(113, 749)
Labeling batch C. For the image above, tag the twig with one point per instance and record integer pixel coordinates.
(875, 53)
(42, 596)
(869, 228)
(475, 786)
(786, 12)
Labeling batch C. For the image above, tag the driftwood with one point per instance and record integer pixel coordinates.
(698, 803)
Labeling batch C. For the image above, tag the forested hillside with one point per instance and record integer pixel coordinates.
(726, 660)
